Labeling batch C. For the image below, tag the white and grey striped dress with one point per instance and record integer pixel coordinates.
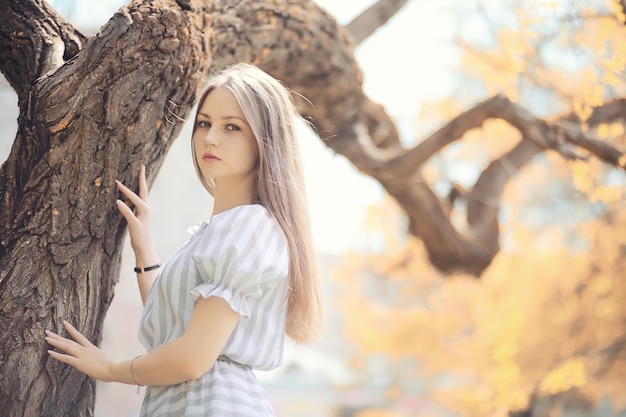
(241, 255)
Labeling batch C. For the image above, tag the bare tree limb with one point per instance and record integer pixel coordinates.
(408, 162)
(381, 128)
(375, 16)
(404, 163)
(397, 169)
(572, 134)
(305, 48)
(448, 249)
(484, 199)
(34, 40)
(612, 111)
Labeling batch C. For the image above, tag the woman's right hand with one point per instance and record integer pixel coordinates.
(138, 220)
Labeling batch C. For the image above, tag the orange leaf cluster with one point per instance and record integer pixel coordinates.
(539, 322)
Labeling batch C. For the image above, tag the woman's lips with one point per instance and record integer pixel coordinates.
(209, 157)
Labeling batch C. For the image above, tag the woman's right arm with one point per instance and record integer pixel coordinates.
(185, 358)
(139, 229)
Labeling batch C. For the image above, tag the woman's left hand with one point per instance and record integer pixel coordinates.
(80, 353)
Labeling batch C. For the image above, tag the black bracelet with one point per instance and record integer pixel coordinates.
(147, 268)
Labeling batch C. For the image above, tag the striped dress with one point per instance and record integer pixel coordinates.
(241, 255)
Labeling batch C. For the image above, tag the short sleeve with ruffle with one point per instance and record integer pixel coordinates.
(242, 254)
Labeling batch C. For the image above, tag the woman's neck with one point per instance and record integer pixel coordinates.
(227, 196)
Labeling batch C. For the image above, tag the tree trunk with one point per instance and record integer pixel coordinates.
(85, 120)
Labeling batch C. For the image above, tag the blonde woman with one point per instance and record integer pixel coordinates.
(221, 306)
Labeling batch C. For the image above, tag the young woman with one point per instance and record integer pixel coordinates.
(220, 307)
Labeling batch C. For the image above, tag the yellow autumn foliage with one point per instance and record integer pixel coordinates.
(571, 374)
(582, 176)
(607, 194)
(537, 321)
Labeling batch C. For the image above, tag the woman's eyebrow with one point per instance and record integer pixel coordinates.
(225, 117)
(242, 120)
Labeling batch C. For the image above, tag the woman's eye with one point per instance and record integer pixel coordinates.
(204, 124)
(231, 126)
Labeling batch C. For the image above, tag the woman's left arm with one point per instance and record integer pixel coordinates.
(185, 358)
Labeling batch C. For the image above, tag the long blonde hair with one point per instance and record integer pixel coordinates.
(269, 111)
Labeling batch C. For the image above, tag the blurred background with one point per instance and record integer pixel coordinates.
(543, 331)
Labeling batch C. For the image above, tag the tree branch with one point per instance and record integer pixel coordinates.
(448, 250)
(611, 111)
(406, 163)
(398, 172)
(559, 136)
(381, 128)
(483, 201)
(34, 40)
(301, 45)
(571, 133)
(375, 16)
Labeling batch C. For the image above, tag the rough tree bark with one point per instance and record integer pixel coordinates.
(92, 110)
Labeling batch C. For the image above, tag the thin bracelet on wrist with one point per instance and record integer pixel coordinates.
(132, 373)
(147, 268)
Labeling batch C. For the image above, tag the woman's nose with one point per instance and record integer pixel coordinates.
(211, 137)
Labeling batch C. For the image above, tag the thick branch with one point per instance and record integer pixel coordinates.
(409, 161)
(405, 163)
(448, 249)
(549, 136)
(398, 171)
(375, 16)
(34, 40)
(483, 201)
(400, 163)
(381, 128)
(612, 111)
(300, 44)
(571, 133)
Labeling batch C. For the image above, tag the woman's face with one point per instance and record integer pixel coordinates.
(225, 147)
